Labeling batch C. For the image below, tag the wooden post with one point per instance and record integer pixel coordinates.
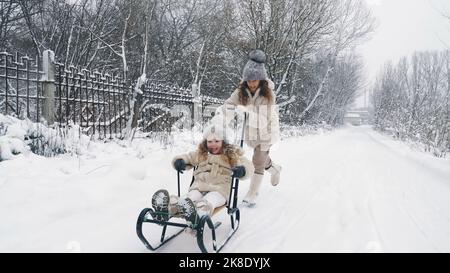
(198, 106)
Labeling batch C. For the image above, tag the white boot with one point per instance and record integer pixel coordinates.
(255, 184)
(274, 171)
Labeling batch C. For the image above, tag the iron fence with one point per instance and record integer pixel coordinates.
(20, 87)
(42, 89)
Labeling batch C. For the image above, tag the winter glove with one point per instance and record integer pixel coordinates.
(238, 171)
(179, 165)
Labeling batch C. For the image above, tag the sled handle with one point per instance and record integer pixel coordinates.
(232, 198)
(178, 180)
(243, 130)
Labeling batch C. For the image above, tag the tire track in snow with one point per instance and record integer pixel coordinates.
(419, 226)
(406, 190)
(374, 223)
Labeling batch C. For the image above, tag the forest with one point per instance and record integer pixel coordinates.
(311, 46)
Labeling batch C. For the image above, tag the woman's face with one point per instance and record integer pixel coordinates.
(253, 85)
(214, 146)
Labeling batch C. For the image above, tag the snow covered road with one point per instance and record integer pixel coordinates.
(355, 191)
(352, 190)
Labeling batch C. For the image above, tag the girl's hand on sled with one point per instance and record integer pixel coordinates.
(179, 165)
(238, 171)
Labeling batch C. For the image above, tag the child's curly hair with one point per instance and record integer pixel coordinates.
(230, 153)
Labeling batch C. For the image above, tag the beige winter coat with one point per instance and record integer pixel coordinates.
(263, 126)
(214, 173)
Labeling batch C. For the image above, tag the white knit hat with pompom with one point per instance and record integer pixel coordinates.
(218, 130)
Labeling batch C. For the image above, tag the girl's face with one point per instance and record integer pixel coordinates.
(214, 146)
(253, 85)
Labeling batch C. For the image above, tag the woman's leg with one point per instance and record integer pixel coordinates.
(261, 160)
(272, 168)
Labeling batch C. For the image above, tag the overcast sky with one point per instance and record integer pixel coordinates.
(405, 26)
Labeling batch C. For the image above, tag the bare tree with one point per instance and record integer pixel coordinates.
(354, 23)
(411, 100)
(10, 13)
(286, 30)
(136, 103)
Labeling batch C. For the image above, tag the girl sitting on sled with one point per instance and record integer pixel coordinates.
(217, 161)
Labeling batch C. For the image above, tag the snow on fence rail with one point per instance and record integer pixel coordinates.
(41, 88)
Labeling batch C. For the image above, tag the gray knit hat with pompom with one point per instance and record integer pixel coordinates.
(254, 69)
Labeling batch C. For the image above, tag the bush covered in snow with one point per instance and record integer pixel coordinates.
(288, 131)
(20, 136)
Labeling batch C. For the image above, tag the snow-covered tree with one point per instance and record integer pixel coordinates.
(411, 99)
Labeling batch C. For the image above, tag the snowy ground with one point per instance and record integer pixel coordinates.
(352, 190)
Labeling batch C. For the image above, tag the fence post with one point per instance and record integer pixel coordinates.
(197, 105)
(48, 86)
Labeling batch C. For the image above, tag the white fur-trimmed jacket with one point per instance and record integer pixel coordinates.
(263, 126)
(214, 173)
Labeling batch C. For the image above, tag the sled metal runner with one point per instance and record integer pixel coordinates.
(147, 214)
(206, 221)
